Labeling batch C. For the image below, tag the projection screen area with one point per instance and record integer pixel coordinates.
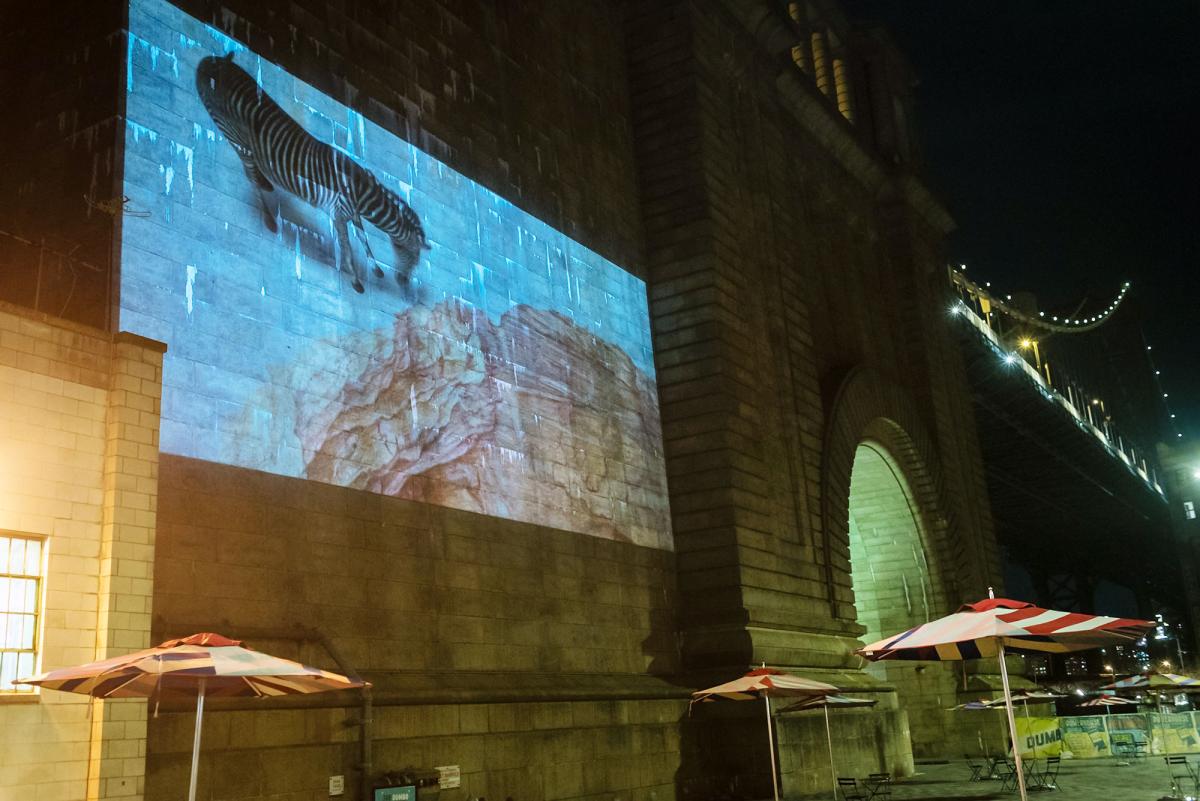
(343, 307)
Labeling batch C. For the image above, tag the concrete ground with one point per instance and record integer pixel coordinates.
(1096, 780)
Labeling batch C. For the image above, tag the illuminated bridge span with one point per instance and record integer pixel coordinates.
(1010, 333)
(1073, 499)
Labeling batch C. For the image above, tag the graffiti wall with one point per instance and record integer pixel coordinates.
(343, 307)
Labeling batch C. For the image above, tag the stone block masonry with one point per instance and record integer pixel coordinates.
(79, 470)
(538, 660)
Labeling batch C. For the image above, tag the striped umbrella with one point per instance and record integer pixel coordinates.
(825, 702)
(1155, 681)
(766, 683)
(193, 667)
(987, 628)
(1107, 700)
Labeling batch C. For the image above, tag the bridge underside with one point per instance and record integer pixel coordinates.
(1067, 510)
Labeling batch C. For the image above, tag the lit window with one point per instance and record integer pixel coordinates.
(820, 57)
(1189, 510)
(20, 598)
(800, 56)
(842, 84)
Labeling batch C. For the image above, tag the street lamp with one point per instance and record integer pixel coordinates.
(1028, 343)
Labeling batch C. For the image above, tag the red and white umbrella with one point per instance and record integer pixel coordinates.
(1153, 680)
(1108, 700)
(193, 667)
(766, 683)
(987, 628)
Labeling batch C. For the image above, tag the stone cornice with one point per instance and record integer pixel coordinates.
(768, 28)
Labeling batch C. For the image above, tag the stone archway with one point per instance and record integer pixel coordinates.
(895, 585)
(888, 560)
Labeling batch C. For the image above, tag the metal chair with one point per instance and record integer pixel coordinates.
(1140, 747)
(1182, 770)
(850, 790)
(1048, 778)
(1123, 744)
(1006, 772)
(976, 768)
(878, 785)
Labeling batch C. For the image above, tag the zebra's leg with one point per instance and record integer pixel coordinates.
(356, 221)
(270, 209)
(263, 188)
(343, 255)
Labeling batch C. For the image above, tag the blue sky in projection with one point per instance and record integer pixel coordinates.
(201, 271)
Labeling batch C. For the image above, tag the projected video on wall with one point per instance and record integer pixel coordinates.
(343, 307)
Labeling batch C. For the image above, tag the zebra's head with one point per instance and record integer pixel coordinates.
(216, 79)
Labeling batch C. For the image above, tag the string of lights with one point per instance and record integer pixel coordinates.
(1071, 324)
(1067, 325)
(1020, 344)
(1166, 400)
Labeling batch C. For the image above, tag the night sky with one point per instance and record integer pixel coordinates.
(1062, 136)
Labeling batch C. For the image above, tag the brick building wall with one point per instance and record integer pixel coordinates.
(78, 470)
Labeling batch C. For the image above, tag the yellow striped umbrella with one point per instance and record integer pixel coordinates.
(194, 667)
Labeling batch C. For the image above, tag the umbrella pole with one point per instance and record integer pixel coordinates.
(829, 739)
(770, 745)
(196, 742)
(1012, 722)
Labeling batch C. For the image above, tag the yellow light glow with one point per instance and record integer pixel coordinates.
(1026, 343)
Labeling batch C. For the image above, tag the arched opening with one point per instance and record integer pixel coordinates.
(897, 585)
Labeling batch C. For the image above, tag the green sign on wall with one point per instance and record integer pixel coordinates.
(396, 793)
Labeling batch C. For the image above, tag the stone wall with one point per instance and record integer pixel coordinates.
(485, 640)
(78, 468)
(797, 310)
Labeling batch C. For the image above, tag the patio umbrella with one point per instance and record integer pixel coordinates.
(766, 683)
(1108, 702)
(1156, 684)
(825, 702)
(990, 627)
(1025, 698)
(1153, 680)
(193, 667)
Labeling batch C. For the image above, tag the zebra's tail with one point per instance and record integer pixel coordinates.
(388, 212)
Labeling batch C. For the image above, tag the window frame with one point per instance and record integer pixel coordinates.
(27, 692)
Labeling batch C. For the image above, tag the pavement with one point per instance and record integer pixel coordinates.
(1094, 779)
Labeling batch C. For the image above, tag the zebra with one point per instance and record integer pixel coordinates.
(276, 152)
